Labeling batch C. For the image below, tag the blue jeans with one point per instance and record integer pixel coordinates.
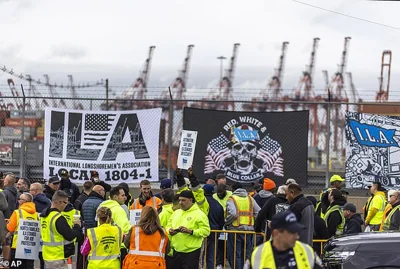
(211, 243)
(241, 256)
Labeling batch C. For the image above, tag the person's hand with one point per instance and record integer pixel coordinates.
(77, 222)
(8, 235)
(178, 171)
(366, 223)
(172, 232)
(185, 230)
(190, 171)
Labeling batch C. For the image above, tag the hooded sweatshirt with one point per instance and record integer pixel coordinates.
(70, 188)
(376, 208)
(41, 202)
(10, 192)
(165, 214)
(232, 212)
(49, 192)
(353, 224)
(262, 197)
(118, 215)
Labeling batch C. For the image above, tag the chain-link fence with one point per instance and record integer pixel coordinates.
(21, 145)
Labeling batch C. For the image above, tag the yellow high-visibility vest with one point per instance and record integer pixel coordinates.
(22, 214)
(53, 241)
(340, 227)
(245, 210)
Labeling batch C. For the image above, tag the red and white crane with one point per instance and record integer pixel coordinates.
(383, 94)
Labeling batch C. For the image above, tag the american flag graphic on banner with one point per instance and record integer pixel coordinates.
(217, 151)
(270, 152)
(96, 129)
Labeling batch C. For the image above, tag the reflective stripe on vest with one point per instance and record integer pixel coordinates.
(145, 252)
(340, 227)
(243, 213)
(263, 257)
(70, 221)
(136, 204)
(387, 222)
(93, 256)
(52, 240)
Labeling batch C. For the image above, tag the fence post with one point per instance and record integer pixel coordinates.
(328, 138)
(170, 129)
(107, 94)
(22, 150)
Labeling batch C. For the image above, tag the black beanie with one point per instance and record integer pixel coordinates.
(187, 194)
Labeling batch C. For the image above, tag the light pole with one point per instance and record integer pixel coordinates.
(221, 58)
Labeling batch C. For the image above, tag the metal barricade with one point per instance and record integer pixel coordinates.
(321, 242)
(222, 235)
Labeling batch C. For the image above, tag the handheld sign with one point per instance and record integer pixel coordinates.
(134, 216)
(28, 242)
(186, 149)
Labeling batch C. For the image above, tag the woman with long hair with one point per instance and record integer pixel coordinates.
(103, 243)
(147, 242)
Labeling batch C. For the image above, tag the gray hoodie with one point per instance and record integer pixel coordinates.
(232, 212)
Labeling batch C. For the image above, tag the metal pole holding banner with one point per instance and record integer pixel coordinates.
(170, 125)
(22, 150)
(328, 138)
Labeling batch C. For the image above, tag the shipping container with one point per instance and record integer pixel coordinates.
(29, 114)
(3, 116)
(16, 131)
(18, 122)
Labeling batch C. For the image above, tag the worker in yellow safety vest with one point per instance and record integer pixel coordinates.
(241, 212)
(103, 243)
(392, 221)
(337, 182)
(56, 232)
(26, 211)
(376, 207)
(284, 250)
(334, 217)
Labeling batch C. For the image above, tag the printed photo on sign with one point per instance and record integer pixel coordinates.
(249, 146)
(372, 150)
(119, 145)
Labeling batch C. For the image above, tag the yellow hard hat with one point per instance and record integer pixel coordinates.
(336, 178)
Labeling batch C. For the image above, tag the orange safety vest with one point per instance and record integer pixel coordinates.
(245, 210)
(146, 251)
(154, 202)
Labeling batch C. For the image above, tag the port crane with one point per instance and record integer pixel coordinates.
(383, 94)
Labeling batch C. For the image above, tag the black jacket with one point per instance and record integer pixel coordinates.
(334, 218)
(65, 230)
(216, 213)
(41, 202)
(353, 225)
(10, 192)
(48, 192)
(304, 211)
(79, 201)
(320, 232)
(262, 197)
(106, 186)
(276, 204)
(70, 188)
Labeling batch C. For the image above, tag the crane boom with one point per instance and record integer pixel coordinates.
(383, 94)
(227, 81)
(179, 85)
(274, 86)
(51, 90)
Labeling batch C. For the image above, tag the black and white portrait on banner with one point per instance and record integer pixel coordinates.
(122, 146)
(249, 146)
(372, 150)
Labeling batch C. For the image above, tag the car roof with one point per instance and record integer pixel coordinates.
(369, 238)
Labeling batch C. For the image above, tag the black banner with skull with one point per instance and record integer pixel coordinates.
(249, 146)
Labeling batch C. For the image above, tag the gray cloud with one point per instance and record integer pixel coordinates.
(68, 52)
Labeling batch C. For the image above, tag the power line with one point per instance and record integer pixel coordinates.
(349, 16)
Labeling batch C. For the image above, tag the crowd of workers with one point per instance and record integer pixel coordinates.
(192, 227)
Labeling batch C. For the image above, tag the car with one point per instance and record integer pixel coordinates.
(374, 250)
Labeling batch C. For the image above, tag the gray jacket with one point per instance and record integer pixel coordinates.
(3, 207)
(232, 212)
(10, 192)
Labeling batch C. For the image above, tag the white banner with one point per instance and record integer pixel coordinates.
(122, 146)
(134, 216)
(186, 149)
(28, 241)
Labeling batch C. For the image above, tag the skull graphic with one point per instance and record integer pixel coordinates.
(243, 154)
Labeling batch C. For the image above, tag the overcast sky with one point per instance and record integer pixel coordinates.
(97, 39)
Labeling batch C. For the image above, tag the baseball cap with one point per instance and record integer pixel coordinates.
(349, 206)
(268, 184)
(286, 220)
(63, 173)
(290, 181)
(94, 174)
(165, 183)
(208, 189)
(336, 178)
(54, 180)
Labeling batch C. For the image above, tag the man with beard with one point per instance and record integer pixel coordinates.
(67, 186)
(334, 217)
(146, 197)
(94, 177)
